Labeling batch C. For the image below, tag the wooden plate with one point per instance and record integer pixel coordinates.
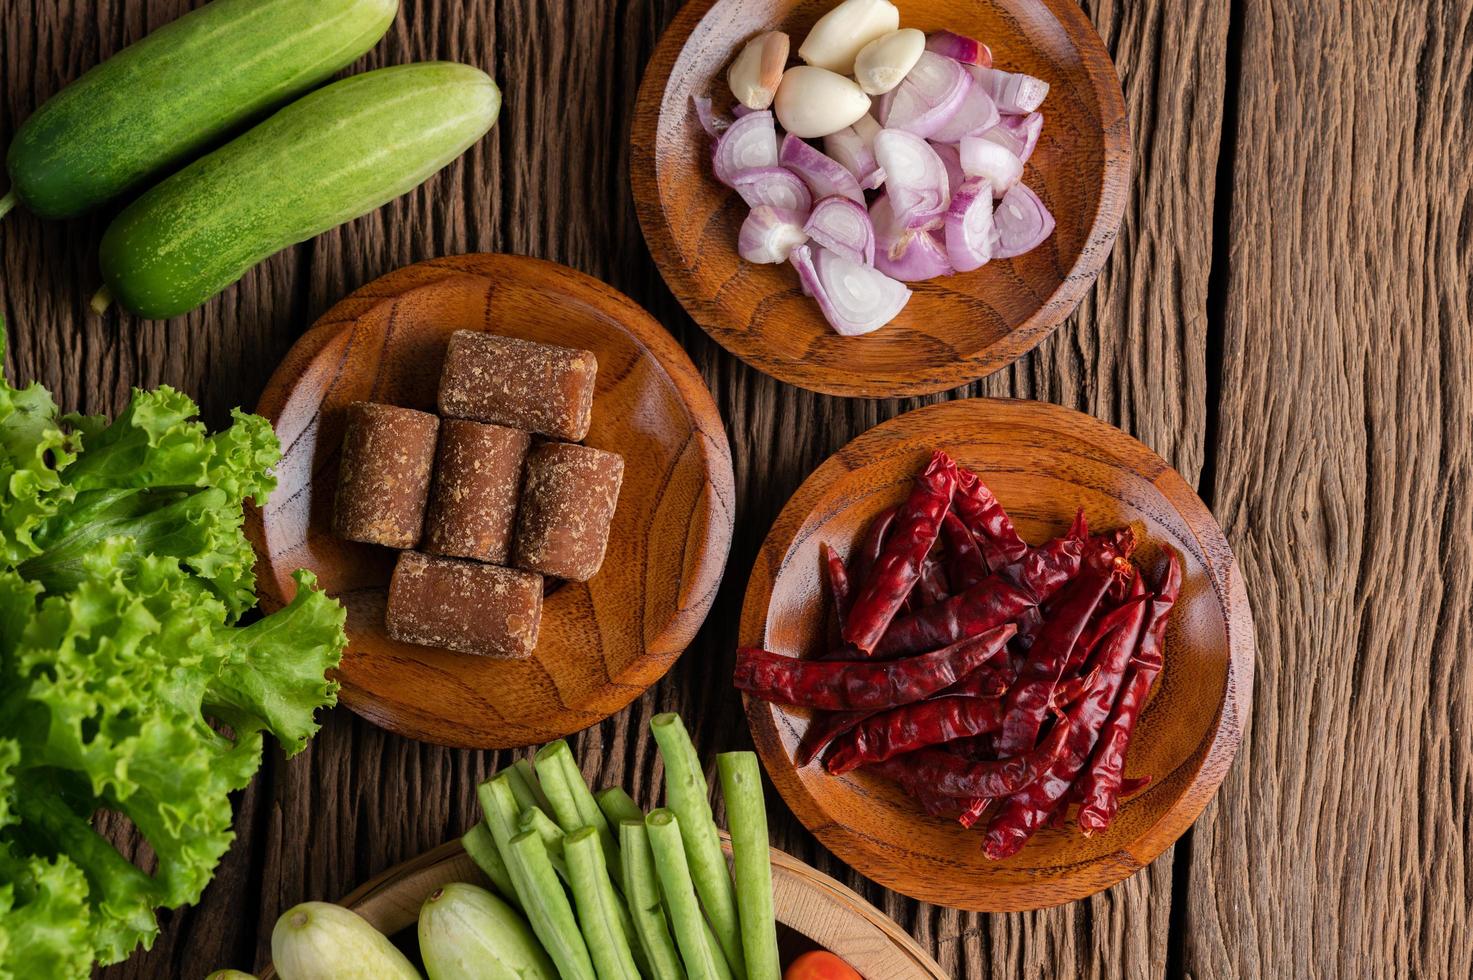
(1043, 462)
(810, 904)
(603, 641)
(955, 329)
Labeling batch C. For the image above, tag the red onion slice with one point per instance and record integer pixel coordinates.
(844, 228)
(769, 234)
(855, 149)
(1022, 222)
(738, 111)
(992, 162)
(906, 254)
(978, 113)
(855, 299)
(749, 143)
(1014, 93)
(969, 226)
(951, 159)
(824, 175)
(713, 124)
(774, 187)
(959, 47)
(915, 178)
(931, 94)
(1018, 133)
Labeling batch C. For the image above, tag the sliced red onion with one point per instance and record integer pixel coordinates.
(1018, 133)
(824, 175)
(769, 234)
(854, 298)
(978, 113)
(880, 107)
(855, 149)
(906, 254)
(969, 226)
(1022, 223)
(951, 159)
(1014, 93)
(750, 143)
(915, 178)
(844, 228)
(713, 124)
(992, 162)
(931, 94)
(959, 47)
(738, 111)
(775, 187)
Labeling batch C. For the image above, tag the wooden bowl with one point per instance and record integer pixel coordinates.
(602, 641)
(955, 329)
(1043, 462)
(813, 911)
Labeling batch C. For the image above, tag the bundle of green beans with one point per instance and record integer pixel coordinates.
(614, 894)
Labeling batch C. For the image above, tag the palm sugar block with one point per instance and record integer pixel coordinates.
(517, 383)
(473, 505)
(568, 500)
(465, 606)
(384, 477)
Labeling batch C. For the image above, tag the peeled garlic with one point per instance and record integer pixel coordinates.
(813, 102)
(838, 36)
(756, 72)
(883, 63)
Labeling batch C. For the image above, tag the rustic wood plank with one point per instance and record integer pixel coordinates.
(1340, 845)
(552, 180)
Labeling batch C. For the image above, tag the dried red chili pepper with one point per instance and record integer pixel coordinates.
(1023, 813)
(823, 728)
(988, 522)
(991, 680)
(871, 545)
(948, 775)
(910, 727)
(932, 587)
(895, 572)
(965, 564)
(838, 577)
(1089, 641)
(1029, 699)
(974, 810)
(863, 685)
(1100, 787)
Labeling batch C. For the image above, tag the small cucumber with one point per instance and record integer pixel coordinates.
(336, 154)
(466, 933)
(164, 100)
(318, 941)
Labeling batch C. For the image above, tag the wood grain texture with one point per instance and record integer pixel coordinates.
(1044, 463)
(954, 329)
(811, 908)
(602, 642)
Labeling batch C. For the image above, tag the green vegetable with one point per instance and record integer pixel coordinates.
(481, 847)
(337, 153)
(642, 889)
(603, 931)
(529, 775)
(522, 789)
(618, 806)
(572, 804)
(541, 824)
(161, 101)
(319, 941)
(687, 796)
(698, 947)
(114, 659)
(466, 933)
(547, 907)
(746, 815)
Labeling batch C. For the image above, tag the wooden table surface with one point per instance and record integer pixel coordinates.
(1285, 318)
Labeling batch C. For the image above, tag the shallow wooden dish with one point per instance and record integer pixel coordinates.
(603, 641)
(954, 330)
(816, 910)
(1043, 462)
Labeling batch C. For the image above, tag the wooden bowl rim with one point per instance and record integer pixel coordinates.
(663, 647)
(450, 859)
(1210, 765)
(1098, 240)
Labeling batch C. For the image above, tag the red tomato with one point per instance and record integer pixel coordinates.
(820, 965)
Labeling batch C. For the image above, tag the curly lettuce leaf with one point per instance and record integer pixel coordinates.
(34, 449)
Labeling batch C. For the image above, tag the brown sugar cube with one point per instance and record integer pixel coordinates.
(464, 606)
(518, 383)
(473, 503)
(568, 501)
(384, 478)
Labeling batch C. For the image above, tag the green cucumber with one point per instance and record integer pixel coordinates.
(336, 154)
(166, 99)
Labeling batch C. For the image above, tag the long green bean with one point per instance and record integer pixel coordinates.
(526, 799)
(552, 837)
(618, 806)
(603, 933)
(482, 849)
(642, 889)
(703, 958)
(687, 794)
(548, 909)
(572, 803)
(524, 766)
(746, 818)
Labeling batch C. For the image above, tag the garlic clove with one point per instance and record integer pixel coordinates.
(756, 73)
(837, 38)
(813, 102)
(884, 62)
